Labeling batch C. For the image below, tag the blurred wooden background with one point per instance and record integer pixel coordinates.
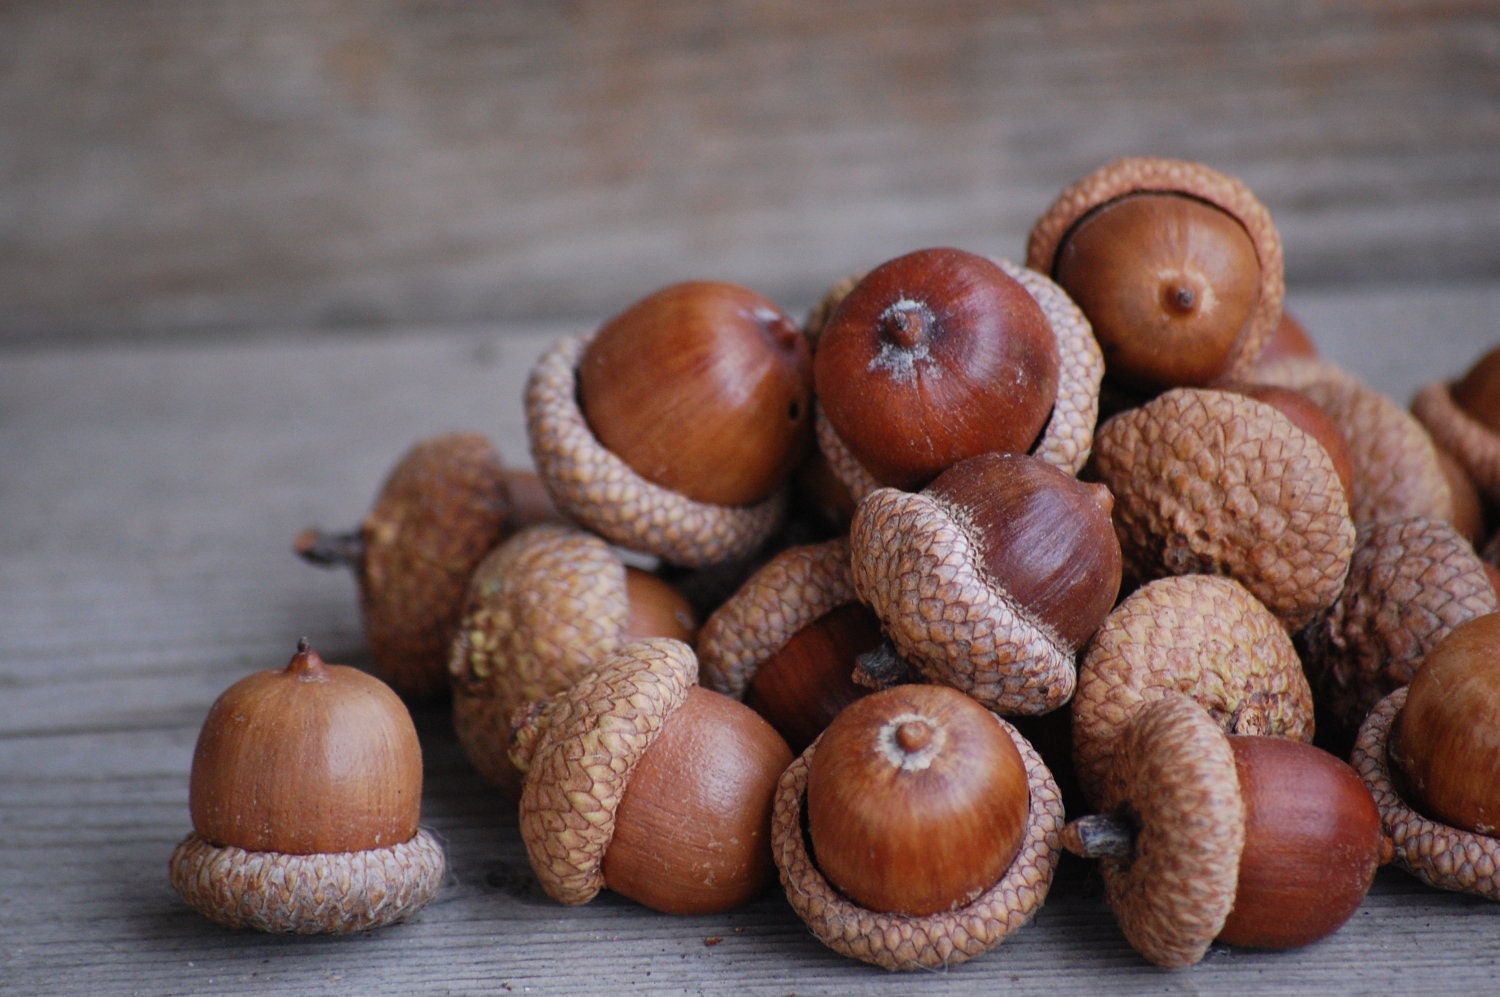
(177, 168)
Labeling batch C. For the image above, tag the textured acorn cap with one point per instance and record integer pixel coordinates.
(795, 588)
(1449, 858)
(326, 893)
(900, 941)
(542, 608)
(603, 493)
(1396, 469)
(1201, 635)
(1473, 444)
(1215, 482)
(1145, 175)
(578, 750)
(922, 573)
(1411, 581)
(1069, 434)
(1175, 776)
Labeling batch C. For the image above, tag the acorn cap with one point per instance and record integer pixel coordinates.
(1216, 482)
(1449, 858)
(1175, 775)
(578, 751)
(543, 607)
(1144, 175)
(1069, 433)
(603, 493)
(1411, 581)
(1396, 469)
(1473, 444)
(1198, 634)
(793, 589)
(899, 941)
(326, 893)
(921, 572)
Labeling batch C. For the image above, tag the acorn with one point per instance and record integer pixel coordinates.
(1463, 416)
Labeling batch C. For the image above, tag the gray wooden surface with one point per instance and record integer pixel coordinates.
(148, 499)
(172, 167)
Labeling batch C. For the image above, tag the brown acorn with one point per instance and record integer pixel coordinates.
(1464, 418)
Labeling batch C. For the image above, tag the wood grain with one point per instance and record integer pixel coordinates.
(176, 168)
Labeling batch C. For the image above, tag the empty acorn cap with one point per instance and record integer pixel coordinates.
(1449, 858)
(920, 571)
(1198, 634)
(1174, 773)
(1214, 482)
(899, 941)
(542, 608)
(1411, 581)
(1473, 444)
(1396, 469)
(793, 589)
(1069, 433)
(578, 751)
(603, 493)
(1145, 175)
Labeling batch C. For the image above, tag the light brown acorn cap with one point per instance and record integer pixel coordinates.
(579, 750)
(1396, 469)
(1069, 434)
(1202, 635)
(542, 608)
(1216, 482)
(817, 316)
(325, 893)
(1147, 175)
(1175, 776)
(921, 572)
(1411, 581)
(1449, 858)
(901, 941)
(603, 493)
(793, 589)
(1473, 444)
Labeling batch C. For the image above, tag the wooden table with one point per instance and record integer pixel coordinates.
(148, 499)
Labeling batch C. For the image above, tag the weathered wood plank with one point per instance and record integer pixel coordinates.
(178, 167)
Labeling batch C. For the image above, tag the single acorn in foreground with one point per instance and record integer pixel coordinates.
(305, 798)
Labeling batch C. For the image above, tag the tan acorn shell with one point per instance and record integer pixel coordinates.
(1069, 434)
(921, 573)
(1449, 858)
(1215, 482)
(1396, 469)
(936, 941)
(1411, 581)
(793, 589)
(1175, 775)
(1141, 175)
(578, 750)
(542, 609)
(1471, 442)
(329, 893)
(603, 493)
(1202, 635)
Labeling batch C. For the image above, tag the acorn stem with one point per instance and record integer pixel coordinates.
(906, 324)
(1099, 836)
(329, 550)
(882, 667)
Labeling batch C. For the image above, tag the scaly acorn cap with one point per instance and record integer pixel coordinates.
(542, 608)
(1446, 857)
(921, 572)
(1148, 175)
(793, 589)
(1411, 581)
(1471, 442)
(1069, 433)
(578, 750)
(602, 492)
(1214, 482)
(1396, 469)
(1198, 634)
(935, 941)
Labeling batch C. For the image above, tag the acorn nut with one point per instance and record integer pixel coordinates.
(1464, 419)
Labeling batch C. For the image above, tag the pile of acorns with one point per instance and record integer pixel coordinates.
(974, 545)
